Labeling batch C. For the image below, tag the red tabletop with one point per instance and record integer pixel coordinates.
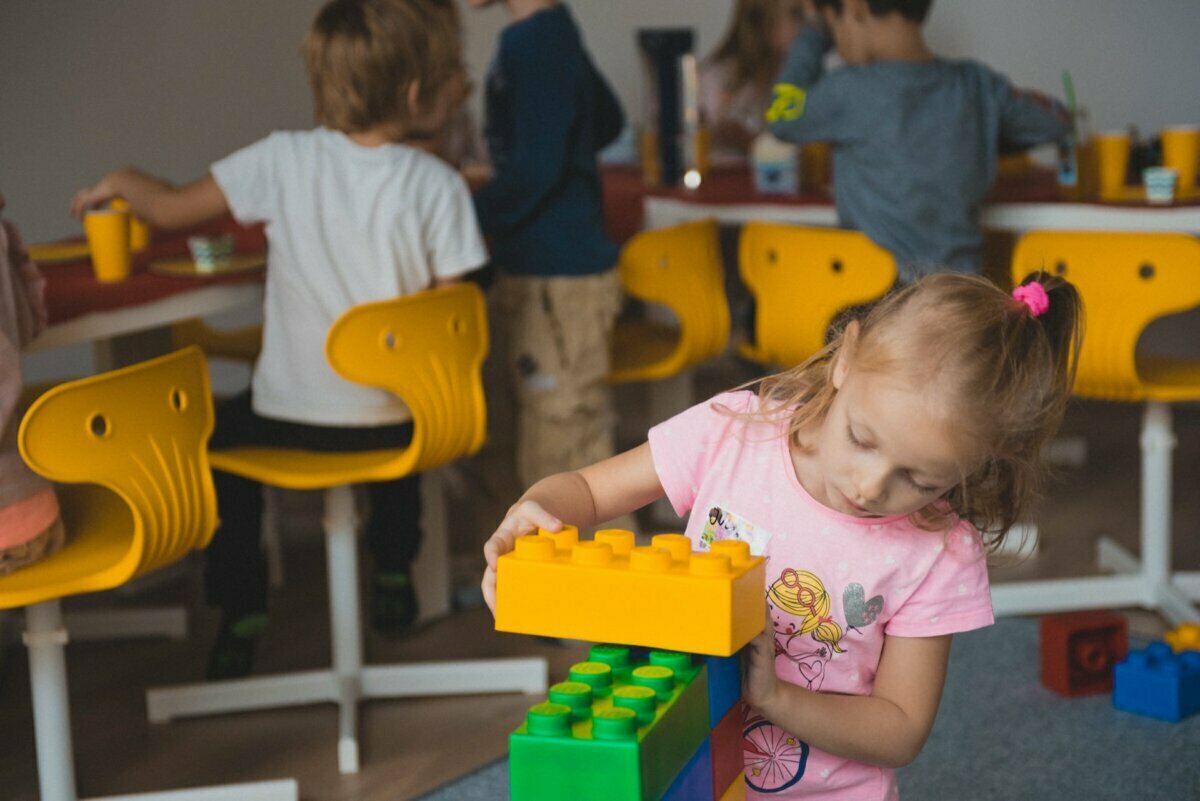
(72, 290)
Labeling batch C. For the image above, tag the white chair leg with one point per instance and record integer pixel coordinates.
(348, 682)
(341, 536)
(279, 790)
(1145, 582)
(45, 638)
(271, 535)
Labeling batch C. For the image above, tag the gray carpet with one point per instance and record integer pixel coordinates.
(1001, 737)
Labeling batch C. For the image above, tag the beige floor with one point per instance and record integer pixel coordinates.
(413, 746)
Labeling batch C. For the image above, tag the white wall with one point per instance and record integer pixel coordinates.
(172, 85)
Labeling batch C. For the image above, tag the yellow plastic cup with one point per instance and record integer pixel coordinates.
(108, 238)
(139, 232)
(1181, 151)
(1112, 159)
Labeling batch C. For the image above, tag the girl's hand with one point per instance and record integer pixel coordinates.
(90, 197)
(759, 683)
(522, 518)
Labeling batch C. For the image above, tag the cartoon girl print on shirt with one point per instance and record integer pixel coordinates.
(802, 595)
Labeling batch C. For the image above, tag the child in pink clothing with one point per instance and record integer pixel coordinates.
(30, 527)
(873, 477)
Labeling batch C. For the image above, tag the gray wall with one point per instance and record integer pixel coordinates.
(173, 85)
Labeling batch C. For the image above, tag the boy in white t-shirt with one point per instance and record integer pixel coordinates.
(352, 215)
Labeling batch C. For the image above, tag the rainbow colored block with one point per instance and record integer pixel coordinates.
(601, 737)
(664, 595)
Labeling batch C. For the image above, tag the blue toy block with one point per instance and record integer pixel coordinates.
(695, 781)
(1158, 683)
(724, 685)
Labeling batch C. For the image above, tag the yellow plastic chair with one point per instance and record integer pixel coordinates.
(679, 268)
(802, 278)
(128, 448)
(428, 349)
(1126, 280)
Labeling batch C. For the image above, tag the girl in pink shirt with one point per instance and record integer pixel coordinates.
(30, 528)
(874, 478)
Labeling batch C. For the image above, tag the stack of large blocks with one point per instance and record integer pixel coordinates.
(655, 715)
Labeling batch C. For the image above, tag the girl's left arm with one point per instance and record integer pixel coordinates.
(887, 728)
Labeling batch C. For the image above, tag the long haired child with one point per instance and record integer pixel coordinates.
(874, 477)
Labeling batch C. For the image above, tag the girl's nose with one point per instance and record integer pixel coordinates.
(871, 485)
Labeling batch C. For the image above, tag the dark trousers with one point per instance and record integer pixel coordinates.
(235, 576)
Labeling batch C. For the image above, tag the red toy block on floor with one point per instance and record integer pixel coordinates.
(1079, 650)
(726, 739)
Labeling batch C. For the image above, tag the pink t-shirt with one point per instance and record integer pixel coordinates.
(836, 584)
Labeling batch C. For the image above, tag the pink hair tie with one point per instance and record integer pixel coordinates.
(1034, 296)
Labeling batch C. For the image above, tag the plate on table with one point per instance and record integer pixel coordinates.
(55, 252)
(240, 263)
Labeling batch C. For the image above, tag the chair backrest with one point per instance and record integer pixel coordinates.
(1126, 280)
(427, 348)
(680, 268)
(802, 278)
(140, 432)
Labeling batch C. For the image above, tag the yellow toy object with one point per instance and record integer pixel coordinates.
(801, 279)
(1185, 637)
(664, 596)
(428, 349)
(1126, 281)
(128, 449)
(680, 268)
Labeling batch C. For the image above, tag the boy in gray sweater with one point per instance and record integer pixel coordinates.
(915, 137)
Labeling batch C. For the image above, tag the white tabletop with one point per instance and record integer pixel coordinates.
(661, 212)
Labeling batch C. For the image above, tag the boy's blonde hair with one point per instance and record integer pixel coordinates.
(363, 56)
(1007, 373)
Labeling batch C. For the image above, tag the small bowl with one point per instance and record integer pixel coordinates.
(210, 252)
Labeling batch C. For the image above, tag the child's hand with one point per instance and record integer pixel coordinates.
(90, 197)
(759, 682)
(522, 518)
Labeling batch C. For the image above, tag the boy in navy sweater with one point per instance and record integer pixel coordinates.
(549, 112)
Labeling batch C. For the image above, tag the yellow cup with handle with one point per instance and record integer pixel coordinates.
(1181, 152)
(108, 238)
(139, 232)
(1112, 158)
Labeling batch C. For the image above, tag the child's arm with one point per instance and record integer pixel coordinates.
(158, 202)
(609, 117)
(887, 728)
(804, 104)
(1028, 119)
(598, 492)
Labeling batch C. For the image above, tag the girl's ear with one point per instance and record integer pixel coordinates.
(845, 354)
(413, 95)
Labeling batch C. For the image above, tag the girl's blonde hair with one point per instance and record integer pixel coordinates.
(746, 45)
(1008, 375)
(363, 55)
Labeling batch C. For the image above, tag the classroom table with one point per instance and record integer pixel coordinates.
(127, 320)
(1020, 202)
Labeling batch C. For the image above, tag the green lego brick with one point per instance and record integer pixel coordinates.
(618, 730)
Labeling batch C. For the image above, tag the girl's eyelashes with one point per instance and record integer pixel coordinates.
(920, 487)
(855, 441)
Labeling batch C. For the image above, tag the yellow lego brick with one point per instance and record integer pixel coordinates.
(736, 791)
(1184, 637)
(663, 596)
